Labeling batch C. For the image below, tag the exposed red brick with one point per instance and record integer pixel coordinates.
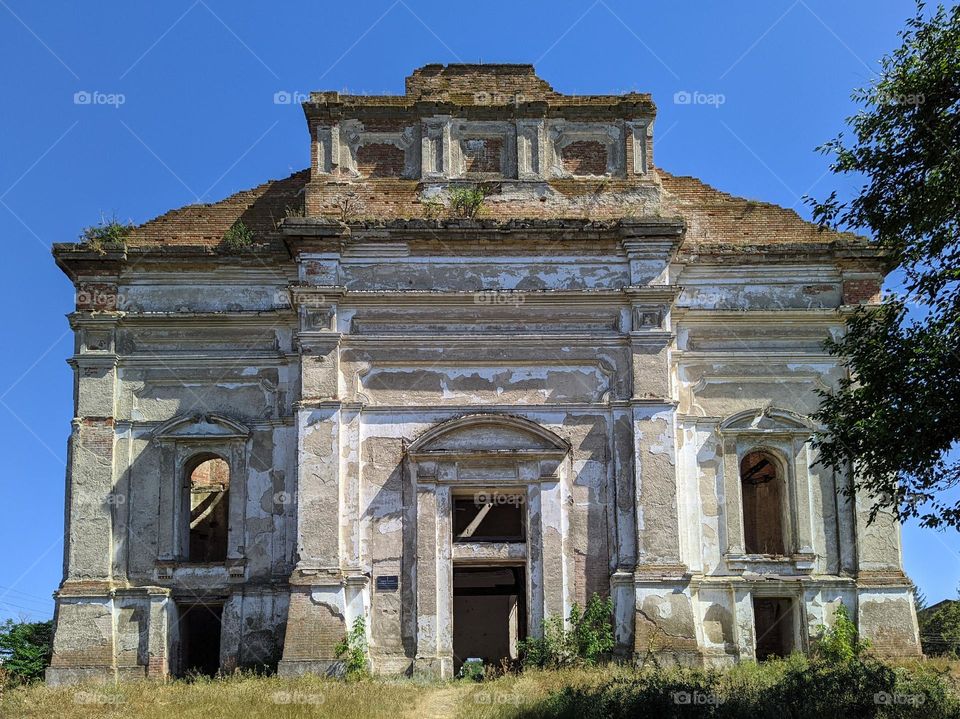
(96, 435)
(380, 159)
(260, 208)
(585, 157)
(857, 291)
(483, 155)
(99, 296)
(713, 216)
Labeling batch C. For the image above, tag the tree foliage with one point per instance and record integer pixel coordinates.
(940, 630)
(25, 649)
(897, 419)
(467, 201)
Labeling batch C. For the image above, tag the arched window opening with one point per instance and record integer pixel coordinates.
(762, 487)
(208, 489)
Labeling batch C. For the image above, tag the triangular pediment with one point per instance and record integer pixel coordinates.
(201, 426)
(766, 419)
(488, 433)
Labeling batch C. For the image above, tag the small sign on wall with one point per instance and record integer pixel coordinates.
(388, 583)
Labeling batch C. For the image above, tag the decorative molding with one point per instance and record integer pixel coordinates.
(210, 427)
(768, 420)
(552, 444)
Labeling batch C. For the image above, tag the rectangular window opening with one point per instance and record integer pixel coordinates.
(489, 517)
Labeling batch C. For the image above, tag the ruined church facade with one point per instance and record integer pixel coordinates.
(480, 362)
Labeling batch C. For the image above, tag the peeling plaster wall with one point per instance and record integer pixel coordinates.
(598, 370)
(182, 350)
(315, 397)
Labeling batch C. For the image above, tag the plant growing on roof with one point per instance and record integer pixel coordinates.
(109, 231)
(238, 238)
(350, 206)
(431, 209)
(467, 201)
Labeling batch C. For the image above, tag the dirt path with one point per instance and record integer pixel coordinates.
(440, 703)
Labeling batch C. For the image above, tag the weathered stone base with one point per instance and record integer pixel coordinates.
(433, 667)
(887, 617)
(391, 665)
(61, 676)
(320, 667)
(135, 633)
(665, 625)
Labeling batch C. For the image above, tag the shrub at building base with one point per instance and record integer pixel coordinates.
(584, 639)
(839, 680)
(793, 688)
(352, 650)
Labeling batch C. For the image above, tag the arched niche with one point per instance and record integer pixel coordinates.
(183, 442)
(782, 436)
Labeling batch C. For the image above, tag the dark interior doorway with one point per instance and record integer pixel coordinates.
(200, 631)
(489, 613)
(773, 621)
(762, 490)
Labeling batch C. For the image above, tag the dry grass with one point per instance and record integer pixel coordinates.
(274, 697)
(241, 696)
(229, 698)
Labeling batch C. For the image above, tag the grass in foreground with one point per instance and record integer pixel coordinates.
(795, 687)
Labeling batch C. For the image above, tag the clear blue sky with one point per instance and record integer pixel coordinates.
(199, 121)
